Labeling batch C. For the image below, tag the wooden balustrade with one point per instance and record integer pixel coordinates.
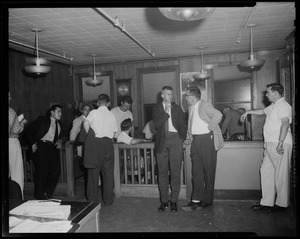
(66, 183)
(136, 172)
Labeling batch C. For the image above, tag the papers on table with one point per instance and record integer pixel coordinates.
(48, 209)
(40, 216)
(17, 225)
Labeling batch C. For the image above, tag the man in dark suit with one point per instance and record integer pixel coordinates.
(43, 135)
(170, 125)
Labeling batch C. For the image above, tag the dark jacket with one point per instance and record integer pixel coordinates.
(38, 128)
(90, 152)
(159, 119)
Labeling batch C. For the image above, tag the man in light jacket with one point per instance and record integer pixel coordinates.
(206, 136)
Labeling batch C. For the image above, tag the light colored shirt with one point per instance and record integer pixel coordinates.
(103, 122)
(77, 123)
(120, 116)
(14, 127)
(198, 126)
(149, 130)
(124, 138)
(171, 127)
(275, 112)
(51, 132)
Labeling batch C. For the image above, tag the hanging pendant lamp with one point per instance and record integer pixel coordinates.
(202, 75)
(94, 81)
(252, 64)
(186, 14)
(38, 65)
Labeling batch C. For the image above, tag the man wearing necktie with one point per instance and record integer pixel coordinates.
(207, 139)
(43, 134)
(171, 127)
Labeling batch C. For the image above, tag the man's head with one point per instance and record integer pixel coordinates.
(167, 94)
(193, 95)
(103, 100)
(226, 109)
(85, 109)
(274, 92)
(126, 103)
(126, 125)
(56, 111)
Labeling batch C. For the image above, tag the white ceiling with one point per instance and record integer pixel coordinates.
(80, 32)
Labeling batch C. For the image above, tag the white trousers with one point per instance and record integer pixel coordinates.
(275, 175)
(16, 171)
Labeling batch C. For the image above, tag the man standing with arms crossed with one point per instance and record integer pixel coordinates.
(278, 144)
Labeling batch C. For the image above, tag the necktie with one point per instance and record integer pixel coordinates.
(167, 122)
(56, 132)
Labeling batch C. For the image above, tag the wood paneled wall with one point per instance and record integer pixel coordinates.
(267, 75)
(33, 96)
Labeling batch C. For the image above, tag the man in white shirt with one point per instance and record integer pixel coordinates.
(124, 137)
(77, 122)
(104, 125)
(275, 168)
(77, 132)
(123, 112)
(207, 139)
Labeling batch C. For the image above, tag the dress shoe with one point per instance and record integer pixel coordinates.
(174, 207)
(260, 208)
(276, 208)
(163, 206)
(191, 206)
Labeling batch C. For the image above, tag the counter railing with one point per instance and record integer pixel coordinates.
(66, 183)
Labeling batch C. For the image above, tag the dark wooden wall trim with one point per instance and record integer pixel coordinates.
(33, 96)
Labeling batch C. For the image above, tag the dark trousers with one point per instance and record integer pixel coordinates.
(47, 169)
(170, 160)
(14, 190)
(204, 161)
(105, 157)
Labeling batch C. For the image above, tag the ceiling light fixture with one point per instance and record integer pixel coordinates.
(39, 65)
(202, 75)
(252, 64)
(186, 14)
(94, 81)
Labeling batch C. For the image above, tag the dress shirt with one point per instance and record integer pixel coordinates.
(51, 132)
(103, 122)
(198, 126)
(171, 127)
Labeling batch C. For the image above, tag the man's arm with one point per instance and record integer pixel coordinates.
(252, 112)
(282, 134)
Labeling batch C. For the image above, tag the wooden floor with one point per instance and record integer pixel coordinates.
(132, 214)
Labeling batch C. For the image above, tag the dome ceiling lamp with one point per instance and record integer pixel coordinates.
(38, 65)
(252, 64)
(94, 81)
(186, 14)
(202, 75)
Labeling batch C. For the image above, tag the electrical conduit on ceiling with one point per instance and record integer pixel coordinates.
(48, 52)
(116, 23)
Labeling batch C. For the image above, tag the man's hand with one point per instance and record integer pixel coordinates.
(34, 148)
(279, 148)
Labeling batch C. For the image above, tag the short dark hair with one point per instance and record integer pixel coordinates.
(103, 98)
(126, 124)
(127, 99)
(167, 87)
(86, 104)
(276, 87)
(53, 107)
(194, 90)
